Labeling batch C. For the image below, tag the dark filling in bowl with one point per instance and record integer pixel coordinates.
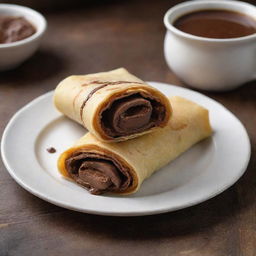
(132, 114)
(97, 173)
(14, 29)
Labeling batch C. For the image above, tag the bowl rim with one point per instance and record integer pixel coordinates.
(24, 10)
(169, 26)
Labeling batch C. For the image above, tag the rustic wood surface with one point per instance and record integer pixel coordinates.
(103, 37)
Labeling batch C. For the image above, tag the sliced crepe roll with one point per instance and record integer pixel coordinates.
(113, 106)
(122, 167)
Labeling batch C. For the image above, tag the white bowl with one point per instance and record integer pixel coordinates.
(13, 54)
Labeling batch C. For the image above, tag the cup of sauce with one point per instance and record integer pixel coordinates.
(211, 45)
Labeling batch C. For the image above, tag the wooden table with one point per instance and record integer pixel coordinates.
(103, 37)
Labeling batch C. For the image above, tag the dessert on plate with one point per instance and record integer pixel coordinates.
(122, 167)
(113, 106)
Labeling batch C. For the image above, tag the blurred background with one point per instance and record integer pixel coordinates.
(58, 4)
(53, 4)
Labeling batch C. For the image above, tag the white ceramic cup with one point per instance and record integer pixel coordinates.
(206, 63)
(13, 54)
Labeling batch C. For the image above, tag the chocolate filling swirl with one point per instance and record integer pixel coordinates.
(127, 114)
(97, 173)
(132, 114)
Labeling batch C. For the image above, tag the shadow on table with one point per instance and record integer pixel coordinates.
(41, 66)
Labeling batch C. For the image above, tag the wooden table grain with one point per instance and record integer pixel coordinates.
(102, 37)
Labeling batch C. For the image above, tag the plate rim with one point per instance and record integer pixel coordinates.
(119, 213)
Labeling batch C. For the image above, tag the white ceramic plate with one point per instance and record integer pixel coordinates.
(204, 171)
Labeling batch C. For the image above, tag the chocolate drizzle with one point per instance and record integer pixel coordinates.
(112, 82)
(88, 97)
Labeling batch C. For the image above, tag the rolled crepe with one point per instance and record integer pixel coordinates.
(114, 105)
(122, 167)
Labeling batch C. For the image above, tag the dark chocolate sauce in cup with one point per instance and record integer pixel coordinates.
(219, 24)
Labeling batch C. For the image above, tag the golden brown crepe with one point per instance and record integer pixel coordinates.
(113, 106)
(122, 167)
